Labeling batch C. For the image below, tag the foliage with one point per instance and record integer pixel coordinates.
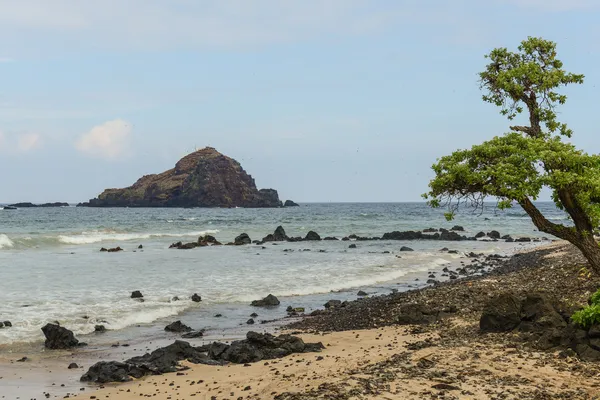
(531, 77)
(589, 315)
(517, 165)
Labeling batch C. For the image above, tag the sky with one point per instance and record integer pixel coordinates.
(323, 100)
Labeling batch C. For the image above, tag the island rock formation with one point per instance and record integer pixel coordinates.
(204, 178)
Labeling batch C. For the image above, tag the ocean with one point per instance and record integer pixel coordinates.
(51, 268)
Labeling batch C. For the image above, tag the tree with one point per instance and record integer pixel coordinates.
(516, 166)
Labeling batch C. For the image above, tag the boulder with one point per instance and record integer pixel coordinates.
(58, 337)
(501, 314)
(99, 328)
(242, 239)
(312, 235)
(493, 235)
(178, 327)
(430, 230)
(7, 324)
(114, 249)
(73, 366)
(268, 301)
(279, 234)
(196, 298)
(404, 248)
(136, 294)
(290, 203)
(352, 246)
(480, 235)
(250, 322)
(457, 228)
(540, 313)
(361, 293)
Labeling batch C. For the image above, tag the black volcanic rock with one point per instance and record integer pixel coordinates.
(204, 178)
(290, 203)
(58, 337)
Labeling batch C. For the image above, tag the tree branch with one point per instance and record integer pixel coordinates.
(544, 225)
(525, 129)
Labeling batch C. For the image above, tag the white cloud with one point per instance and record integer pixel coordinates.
(109, 140)
(28, 141)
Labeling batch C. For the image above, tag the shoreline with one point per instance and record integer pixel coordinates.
(325, 321)
(447, 359)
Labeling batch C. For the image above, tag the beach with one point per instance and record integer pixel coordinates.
(368, 354)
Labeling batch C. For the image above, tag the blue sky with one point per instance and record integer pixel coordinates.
(330, 100)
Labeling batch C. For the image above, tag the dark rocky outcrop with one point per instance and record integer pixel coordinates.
(268, 301)
(333, 304)
(58, 337)
(255, 347)
(312, 235)
(444, 234)
(99, 328)
(196, 298)
(278, 236)
(45, 205)
(290, 203)
(494, 235)
(204, 178)
(136, 294)
(242, 239)
(9, 208)
(5, 324)
(404, 248)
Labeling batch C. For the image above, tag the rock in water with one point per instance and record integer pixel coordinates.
(136, 294)
(290, 203)
(501, 314)
(242, 240)
(270, 300)
(178, 327)
(196, 298)
(204, 178)
(312, 235)
(58, 337)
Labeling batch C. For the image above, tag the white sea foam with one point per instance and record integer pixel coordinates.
(5, 241)
(97, 236)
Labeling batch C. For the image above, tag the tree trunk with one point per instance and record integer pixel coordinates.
(591, 251)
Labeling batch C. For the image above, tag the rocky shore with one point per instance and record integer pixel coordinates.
(428, 343)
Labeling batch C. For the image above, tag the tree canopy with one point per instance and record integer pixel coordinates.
(516, 166)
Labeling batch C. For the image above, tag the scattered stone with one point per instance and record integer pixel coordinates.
(361, 293)
(494, 235)
(99, 328)
(352, 246)
(250, 321)
(73, 366)
(196, 298)
(404, 248)
(136, 294)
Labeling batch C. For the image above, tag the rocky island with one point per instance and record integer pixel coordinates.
(204, 178)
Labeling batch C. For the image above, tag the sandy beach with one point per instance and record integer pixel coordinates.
(449, 359)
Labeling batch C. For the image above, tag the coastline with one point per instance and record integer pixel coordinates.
(382, 344)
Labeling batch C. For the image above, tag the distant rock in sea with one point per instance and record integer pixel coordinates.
(290, 203)
(204, 178)
(31, 205)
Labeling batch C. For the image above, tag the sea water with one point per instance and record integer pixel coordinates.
(51, 268)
